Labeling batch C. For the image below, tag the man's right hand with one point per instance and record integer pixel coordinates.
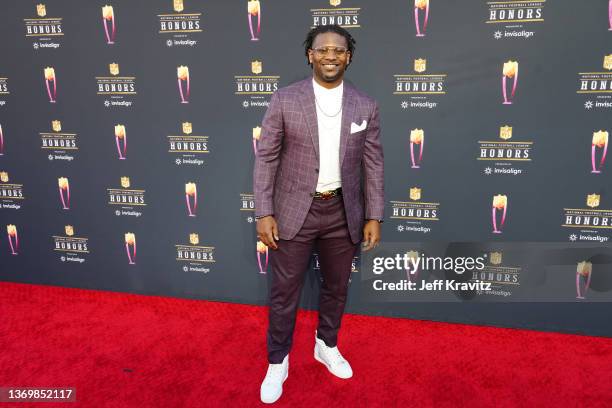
(267, 231)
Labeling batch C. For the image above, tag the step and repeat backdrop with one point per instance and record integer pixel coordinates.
(128, 132)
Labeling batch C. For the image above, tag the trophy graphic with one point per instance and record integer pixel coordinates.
(183, 75)
(254, 9)
(421, 5)
(121, 136)
(191, 191)
(130, 241)
(500, 202)
(600, 140)
(256, 137)
(64, 191)
(50, 76)
(414, 274)
(416, 138)
(1, 142)
(583, 278)
(109, 15)
(510, 70)
(13, 238)
(262, 249)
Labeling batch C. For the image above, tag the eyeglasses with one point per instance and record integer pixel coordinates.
(337, 51)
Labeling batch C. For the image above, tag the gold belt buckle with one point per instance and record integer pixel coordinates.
(326, 195)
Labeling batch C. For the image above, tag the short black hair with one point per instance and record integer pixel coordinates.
(333, 28)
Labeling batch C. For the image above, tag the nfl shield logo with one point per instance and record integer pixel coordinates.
(187, 128)
(4, 176)
(608, 62)
(414, 255)
(256, 67)
(415, 193)
(505, 132)
(69, 230)
(114, 68)
(496, 258)
(56, 125)
(335, 3)
(125, 182)
(194, 239)
(593, 200)
(41, 10)
(420, 65)
(178, 6)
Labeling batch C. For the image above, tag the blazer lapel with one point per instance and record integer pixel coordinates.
(307, 101)
(348, 112)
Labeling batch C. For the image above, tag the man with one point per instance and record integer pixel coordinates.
(319, 145)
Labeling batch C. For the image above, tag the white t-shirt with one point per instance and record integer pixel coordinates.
(329, 120)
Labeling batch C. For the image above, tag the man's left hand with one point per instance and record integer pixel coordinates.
(371, 235)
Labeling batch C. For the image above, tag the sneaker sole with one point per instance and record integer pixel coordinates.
(280, 395)
(320, 360)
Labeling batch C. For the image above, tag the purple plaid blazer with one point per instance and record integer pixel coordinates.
(287, 162)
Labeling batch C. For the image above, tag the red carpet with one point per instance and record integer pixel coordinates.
(123, 350)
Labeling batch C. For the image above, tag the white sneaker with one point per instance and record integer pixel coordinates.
(272, 385)
(332, 359)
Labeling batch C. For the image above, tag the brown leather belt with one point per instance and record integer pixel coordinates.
(326, 195)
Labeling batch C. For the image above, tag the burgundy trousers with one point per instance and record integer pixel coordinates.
(326, 230)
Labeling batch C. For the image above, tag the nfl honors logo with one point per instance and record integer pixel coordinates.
(178, 6)
(347, 17)
(501, 151)
(598, 83)
(180, 25)
(593, 200)
(70, 244)
(255, 86)
(588, 218)
(41, 10)
(125, 182)
(195, 255)
(187, 145)
(256, 67)
(505, 132)
(495, 258)
(127, 197)
(10, 192)
(420, 65)
(44, 30)
(56, 125)
(415, 210)
(120, 86)
(419, 83)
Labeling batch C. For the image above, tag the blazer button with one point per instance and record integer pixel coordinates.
(316, 170)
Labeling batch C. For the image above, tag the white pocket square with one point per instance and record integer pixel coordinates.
(358, 128)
